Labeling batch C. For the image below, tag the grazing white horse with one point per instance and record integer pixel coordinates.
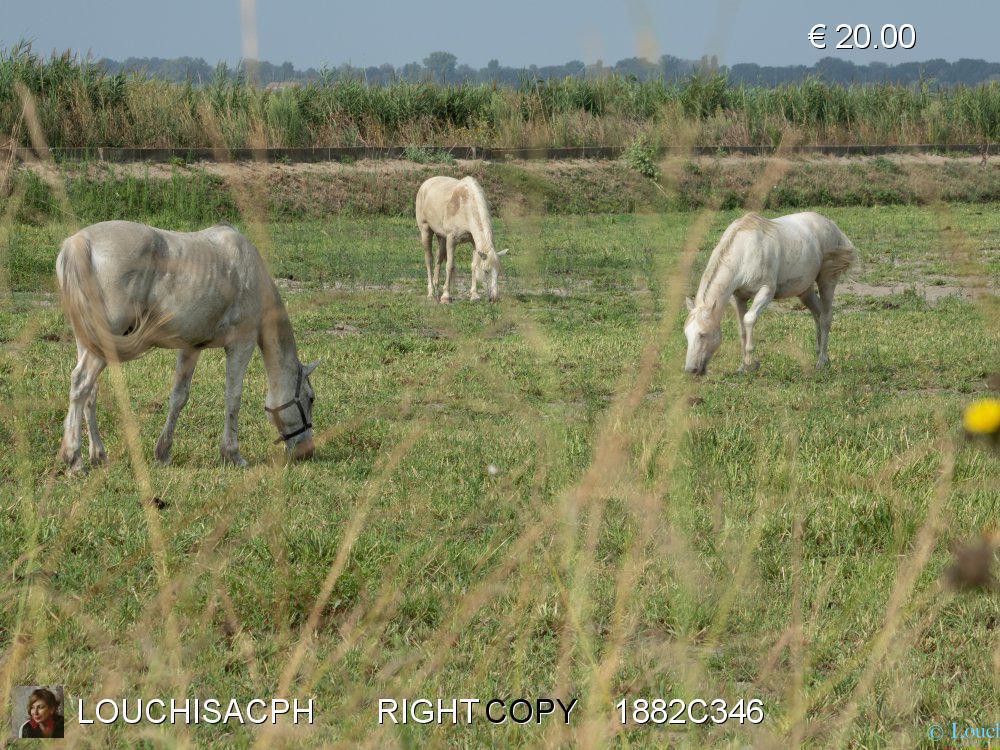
(456, 211)
(758, 260)
(129, 287)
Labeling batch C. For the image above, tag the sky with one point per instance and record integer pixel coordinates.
(312, 33)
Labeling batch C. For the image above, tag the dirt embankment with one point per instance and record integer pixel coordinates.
(578, 186)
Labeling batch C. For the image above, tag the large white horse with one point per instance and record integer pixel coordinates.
(758, 260)
(129, 287)
(456, 211)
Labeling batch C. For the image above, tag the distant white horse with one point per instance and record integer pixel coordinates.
(456, 211)
(758, 260)
(129, 287)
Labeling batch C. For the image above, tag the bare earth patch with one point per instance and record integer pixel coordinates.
(343, 329)
(931, 293)
(928, 292)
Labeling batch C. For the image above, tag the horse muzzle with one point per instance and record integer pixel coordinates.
(695, 370)
(303, 451)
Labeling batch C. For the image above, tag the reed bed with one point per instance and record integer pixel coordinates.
(79, 104)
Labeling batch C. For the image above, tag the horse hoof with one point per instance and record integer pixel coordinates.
(822, 364)
(234, 459)
(445, 299)
(162, 453)
(77, 468)
(98, 459)
(475, 297)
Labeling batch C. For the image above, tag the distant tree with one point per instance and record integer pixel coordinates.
(835, 70)
(386, 73)
(441, 66)
(596, 70)
(465, 74)
(673, 68)
(639, 67)
(412, 72)
(973, 71)
(708, 64)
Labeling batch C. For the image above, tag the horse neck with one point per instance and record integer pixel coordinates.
(482, 239)
(281, 359)
(715, 292)
(482, 231)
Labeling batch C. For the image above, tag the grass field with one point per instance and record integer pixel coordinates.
(200, 194)
(779, 536)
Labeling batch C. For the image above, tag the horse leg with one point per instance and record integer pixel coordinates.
(764, 295)
(810, 300)
(740, 305)
(427, 239)
(88, 368)
(237, 358)
(438, 257)
(97, 453)
(186, 361)
(826, 289)
(449, 268)
(474, 295)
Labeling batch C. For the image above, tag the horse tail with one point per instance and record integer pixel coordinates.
(85, 308)
(836, 262)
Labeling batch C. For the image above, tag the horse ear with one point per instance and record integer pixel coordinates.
(481, 254)
(503, 252)
(689, 303)
(307, 370)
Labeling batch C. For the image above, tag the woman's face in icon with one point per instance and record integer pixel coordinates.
(40, 711)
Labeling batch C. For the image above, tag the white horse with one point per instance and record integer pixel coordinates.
(456, 211)
(129, 287)
(758, 260)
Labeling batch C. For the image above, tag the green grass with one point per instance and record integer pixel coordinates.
(421, 155)
(196, 196)
(785, 494)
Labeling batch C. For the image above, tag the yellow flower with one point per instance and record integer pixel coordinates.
(983, 417)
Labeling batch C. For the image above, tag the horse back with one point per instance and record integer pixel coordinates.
(453, 207)
(204, 282)
(821, 235)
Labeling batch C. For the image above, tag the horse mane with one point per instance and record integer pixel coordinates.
(483, 207)
(747, 222)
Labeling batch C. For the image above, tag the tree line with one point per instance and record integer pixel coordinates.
(443, 67)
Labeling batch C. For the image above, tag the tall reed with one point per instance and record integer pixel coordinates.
(81, 105)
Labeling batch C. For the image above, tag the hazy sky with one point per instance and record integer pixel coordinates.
(517, 32)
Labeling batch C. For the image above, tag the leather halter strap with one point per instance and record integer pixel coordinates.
(295, 401)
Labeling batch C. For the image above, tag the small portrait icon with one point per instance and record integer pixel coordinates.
(38, 712)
